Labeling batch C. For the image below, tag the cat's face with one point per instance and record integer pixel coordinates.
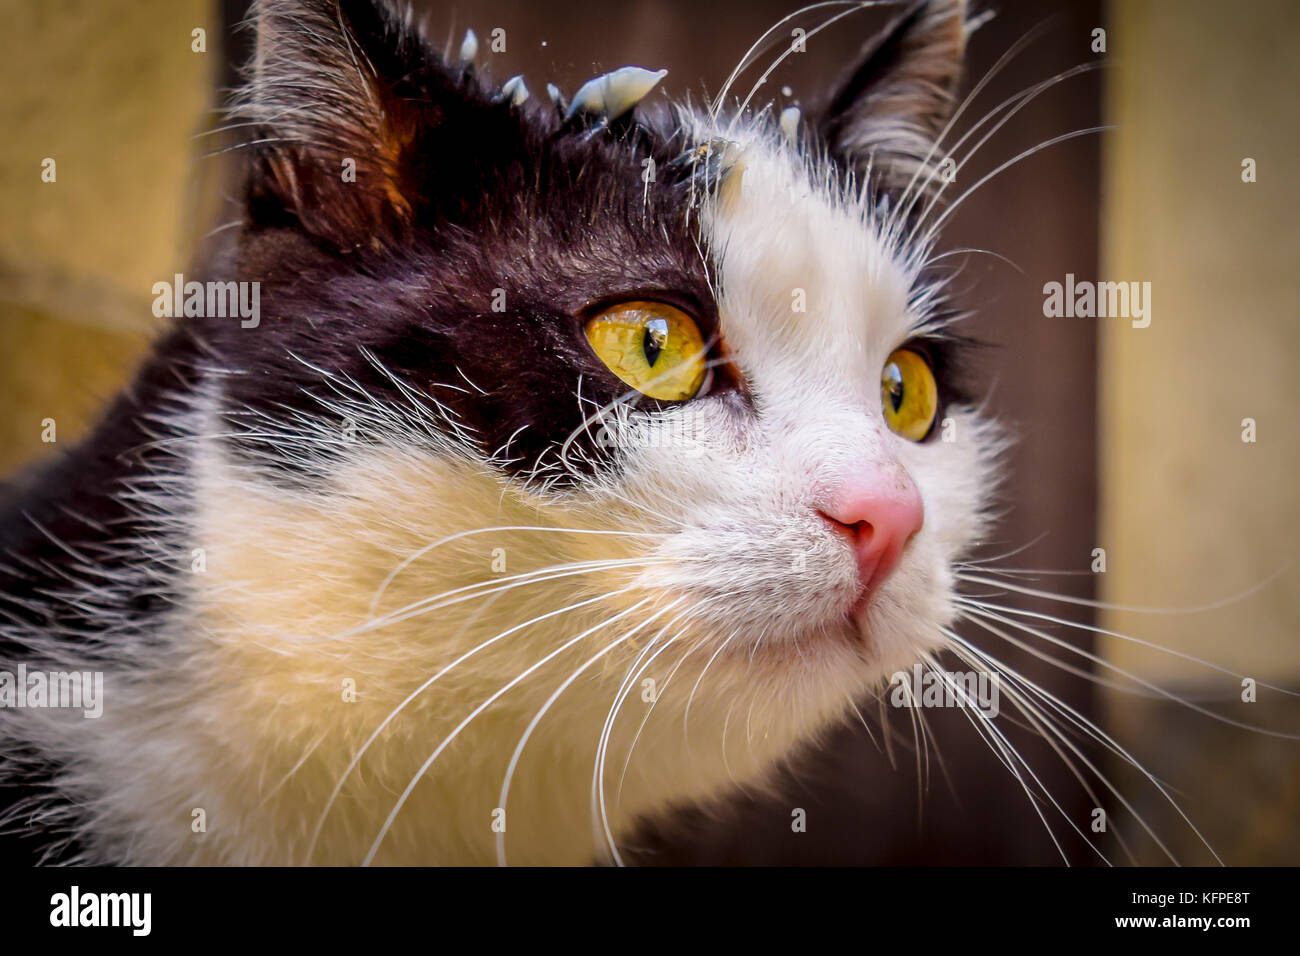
(704, 351)
(813, 306)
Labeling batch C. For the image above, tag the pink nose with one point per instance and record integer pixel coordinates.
(879, 513)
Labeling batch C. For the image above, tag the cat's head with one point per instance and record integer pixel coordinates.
(703, 347)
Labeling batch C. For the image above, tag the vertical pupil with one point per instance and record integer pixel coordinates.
(656, 336)
(894, 386)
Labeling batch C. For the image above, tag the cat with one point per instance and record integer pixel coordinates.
(582, 460)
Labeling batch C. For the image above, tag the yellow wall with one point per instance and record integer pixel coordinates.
(1190, 513)
(113, 93)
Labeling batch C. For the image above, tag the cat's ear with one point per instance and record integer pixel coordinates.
(337, 97)
(887, 112)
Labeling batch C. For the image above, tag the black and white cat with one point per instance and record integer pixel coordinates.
(584, 459)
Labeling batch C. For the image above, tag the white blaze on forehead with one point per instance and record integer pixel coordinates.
(809, 294)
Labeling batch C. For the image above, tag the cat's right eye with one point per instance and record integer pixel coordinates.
(909, 395)
(652, 346)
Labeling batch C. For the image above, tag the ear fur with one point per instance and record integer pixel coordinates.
(887, 112)
(333, 133)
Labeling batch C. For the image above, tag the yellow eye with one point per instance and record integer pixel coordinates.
(909, 394)
(651, 346)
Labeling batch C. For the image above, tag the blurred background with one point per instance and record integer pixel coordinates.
(1129, 440)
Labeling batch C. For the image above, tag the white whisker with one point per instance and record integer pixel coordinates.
(446, 742)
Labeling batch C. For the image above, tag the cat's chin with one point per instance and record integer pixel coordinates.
(850, 632)
(878, 630)
(879, 627)
(859, 607)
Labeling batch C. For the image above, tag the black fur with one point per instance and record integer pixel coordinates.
(492, 197)
(71, 528)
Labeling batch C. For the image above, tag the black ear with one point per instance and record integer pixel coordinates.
(888, 111)
(340, 96)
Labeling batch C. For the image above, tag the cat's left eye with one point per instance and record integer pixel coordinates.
(909, 394)
(652, 346)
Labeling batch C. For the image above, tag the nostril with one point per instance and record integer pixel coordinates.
(878, 515)
(849, 529)
(859, 533)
